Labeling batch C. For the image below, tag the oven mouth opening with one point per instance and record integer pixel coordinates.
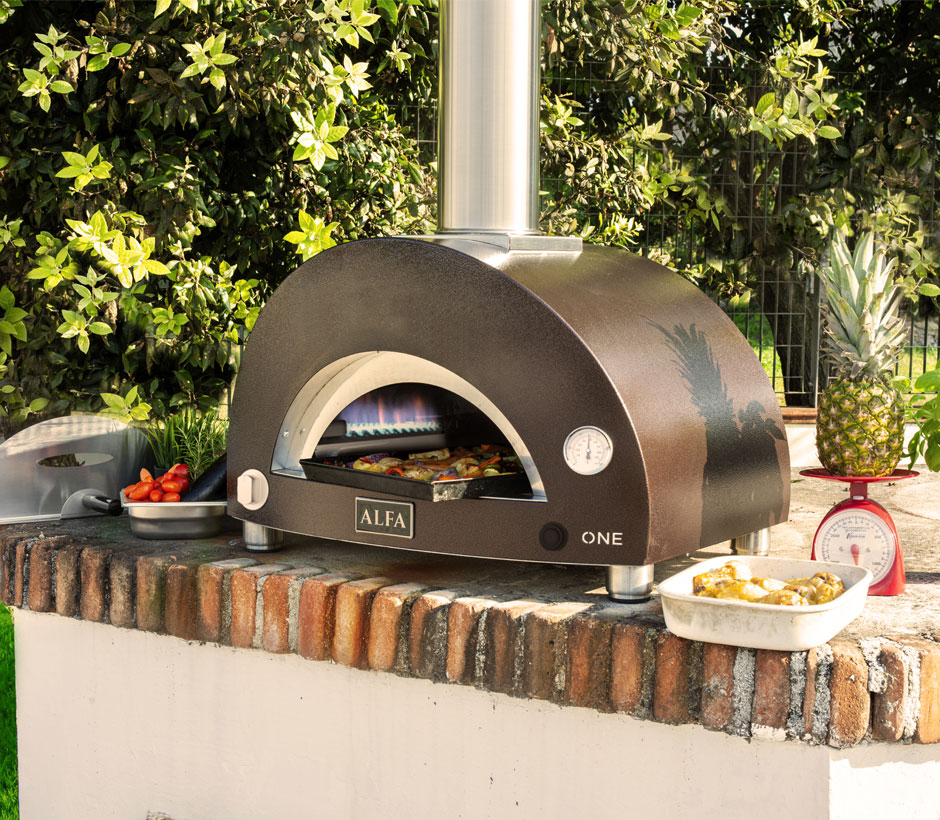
(420, 441)
(427, 425)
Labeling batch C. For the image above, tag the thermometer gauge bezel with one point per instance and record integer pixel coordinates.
(602, 465)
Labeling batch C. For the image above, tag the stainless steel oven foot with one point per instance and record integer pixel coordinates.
(754, 543)
(259, 538)
(630, 584)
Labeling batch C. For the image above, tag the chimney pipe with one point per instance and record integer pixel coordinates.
(488, 116)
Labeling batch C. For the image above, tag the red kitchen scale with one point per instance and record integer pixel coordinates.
(860, 531)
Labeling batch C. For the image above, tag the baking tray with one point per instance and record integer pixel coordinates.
(180, 519)
(763, 626)
(498, 486)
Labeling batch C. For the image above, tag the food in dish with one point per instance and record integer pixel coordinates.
(733, 581)
(440, 465)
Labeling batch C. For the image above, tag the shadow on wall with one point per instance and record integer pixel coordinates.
(745, 440)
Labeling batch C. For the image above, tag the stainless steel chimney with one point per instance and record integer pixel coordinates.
(488, 116)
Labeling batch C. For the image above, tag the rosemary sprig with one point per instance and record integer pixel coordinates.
(193, 438)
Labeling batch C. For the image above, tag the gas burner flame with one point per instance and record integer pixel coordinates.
(390, 411)
(377, 429)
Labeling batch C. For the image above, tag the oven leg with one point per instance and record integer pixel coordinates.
(630, 584)
(754, 543)
(259, 538)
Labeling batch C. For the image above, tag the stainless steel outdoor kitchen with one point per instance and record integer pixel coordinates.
(643, 424)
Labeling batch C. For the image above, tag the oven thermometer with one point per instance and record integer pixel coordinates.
(588, 450)
(860, 531)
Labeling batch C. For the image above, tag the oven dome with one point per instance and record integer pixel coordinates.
(553, 341)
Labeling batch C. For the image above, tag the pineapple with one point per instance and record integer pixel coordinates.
(860, 418)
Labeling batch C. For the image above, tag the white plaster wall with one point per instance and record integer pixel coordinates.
(880, 781)
(115, 723)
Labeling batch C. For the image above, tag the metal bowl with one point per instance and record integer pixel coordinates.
(180, 519)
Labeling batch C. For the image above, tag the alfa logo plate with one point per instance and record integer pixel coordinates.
(385, 517)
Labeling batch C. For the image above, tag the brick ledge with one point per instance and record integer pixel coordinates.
(599, 656)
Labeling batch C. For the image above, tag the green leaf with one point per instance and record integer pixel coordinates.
(764, 103)
(98, 62)
(155, 267)
(224, 59)
(390, 8)
(6, 298)
(4, 161)
(829, 132)
(217, 78)
(928, 289)
(74, 159)
(192, 5)
(44, 100)
(100, 328)
(928, 382)
(6, 327)
(120, 49)
(113, 400)
(686, 15)
(932, 456)
(33, 76)
(189, 71)
(38, 404)
(61, 87)
(162, 6)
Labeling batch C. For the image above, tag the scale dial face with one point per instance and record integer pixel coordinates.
(588, 450)
(857, 537)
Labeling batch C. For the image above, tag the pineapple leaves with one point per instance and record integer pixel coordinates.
(864, 332)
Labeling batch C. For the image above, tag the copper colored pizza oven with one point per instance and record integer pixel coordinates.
(642, 423)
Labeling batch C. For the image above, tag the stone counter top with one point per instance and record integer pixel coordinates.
(526, 630)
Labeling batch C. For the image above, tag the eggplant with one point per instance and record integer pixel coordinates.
(210, 486)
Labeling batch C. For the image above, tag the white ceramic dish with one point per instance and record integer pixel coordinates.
(762, 626)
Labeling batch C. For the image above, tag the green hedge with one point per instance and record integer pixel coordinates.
(163, 165)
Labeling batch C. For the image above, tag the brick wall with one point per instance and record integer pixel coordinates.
(604, 657)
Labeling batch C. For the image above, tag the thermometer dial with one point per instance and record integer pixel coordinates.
(860, 537)
(588, 450)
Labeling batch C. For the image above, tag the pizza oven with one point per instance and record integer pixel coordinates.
(488, 391)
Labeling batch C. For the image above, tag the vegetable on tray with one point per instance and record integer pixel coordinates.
(439, 465)
(166, 488)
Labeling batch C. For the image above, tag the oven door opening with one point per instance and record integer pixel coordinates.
(393, 423)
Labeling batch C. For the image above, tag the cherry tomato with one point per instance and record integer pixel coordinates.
(156, 495)
(141, 491)
(145, 475)
(183, 482)
(169, 497)
(179, 470)
(171, 485)
(128, 488)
